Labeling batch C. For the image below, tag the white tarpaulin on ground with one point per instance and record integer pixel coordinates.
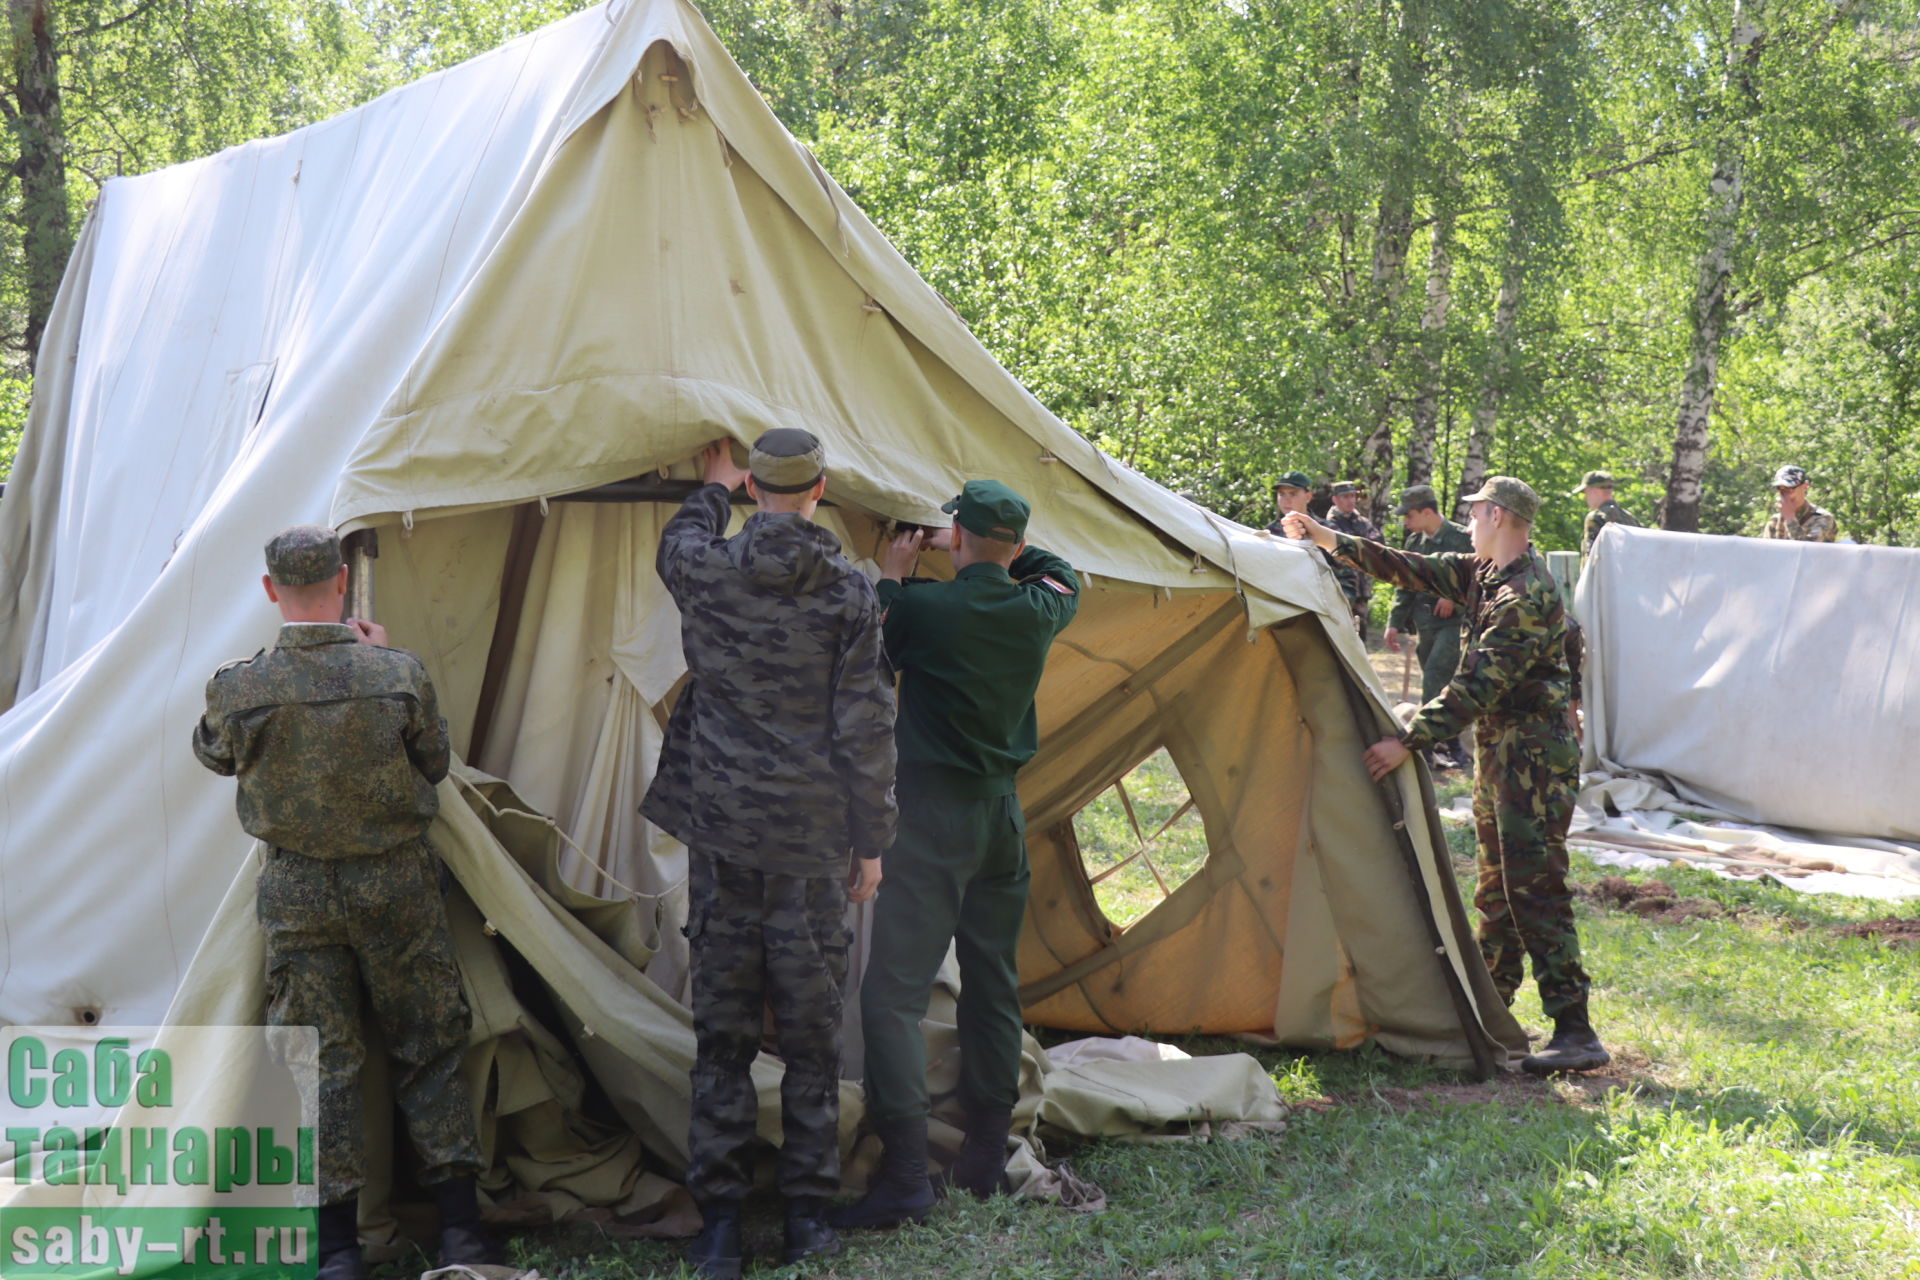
(1738, 686)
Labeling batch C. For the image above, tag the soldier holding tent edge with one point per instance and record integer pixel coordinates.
(338, 744)
(777, 773)
(1513, 685)
(970, 653)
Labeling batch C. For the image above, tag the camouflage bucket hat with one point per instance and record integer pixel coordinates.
(1593, 480)
(1292, 480)
(1416, 496)
(1789, 477)
(989, 509)
(303, 555)
(787, 460)
(1342, 488)
(1509, 494)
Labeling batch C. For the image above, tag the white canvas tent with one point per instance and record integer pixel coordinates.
(559, 267)
(1752, 700)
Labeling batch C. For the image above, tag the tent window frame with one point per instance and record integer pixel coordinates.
(1146, 842)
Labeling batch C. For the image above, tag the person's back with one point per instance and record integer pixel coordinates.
(337, 745)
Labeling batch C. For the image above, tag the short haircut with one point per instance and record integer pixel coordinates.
(998, 550)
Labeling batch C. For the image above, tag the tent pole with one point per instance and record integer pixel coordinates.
(362, 548)
(1483, 1065)
(514, 574)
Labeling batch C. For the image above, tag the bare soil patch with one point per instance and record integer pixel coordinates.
(1894, 931)
(1651, 900)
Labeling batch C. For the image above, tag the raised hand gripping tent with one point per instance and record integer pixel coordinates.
(556, 271)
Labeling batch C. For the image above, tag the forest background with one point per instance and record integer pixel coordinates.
(1407, 241)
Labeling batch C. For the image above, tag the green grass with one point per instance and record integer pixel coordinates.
(1762, 1120)
(1107, 837)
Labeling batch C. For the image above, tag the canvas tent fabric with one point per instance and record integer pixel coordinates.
(564, 264)
(1769, 681)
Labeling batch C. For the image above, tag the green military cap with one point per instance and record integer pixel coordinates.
(1293, 480)
(1341, 488)
(1789, 477)
(787, 460)
(1416, 496)
(303, 555)
(1593, 480)
(1514, 495)
(989, 509)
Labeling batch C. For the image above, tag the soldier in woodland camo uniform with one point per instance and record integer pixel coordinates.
(777, 769)
(1597, 488)
(338, 743)
(1796, 518)
(1514, 687)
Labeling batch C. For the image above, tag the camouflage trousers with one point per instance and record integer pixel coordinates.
(761, 939)
(1523, 789)
(341, 932)
(1438, 653)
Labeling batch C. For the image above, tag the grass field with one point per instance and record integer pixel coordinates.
(1762, 1119)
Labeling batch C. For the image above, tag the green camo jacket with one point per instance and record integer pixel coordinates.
(1513, 661)
(337, 745)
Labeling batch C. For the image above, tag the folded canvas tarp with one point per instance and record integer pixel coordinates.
(567, 264)
(1775, 682)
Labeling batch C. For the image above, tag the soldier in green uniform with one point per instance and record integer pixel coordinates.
(1513, 686)
(970, 653)
(337, 743)
(1597, 488)
(1290, 493)
(1796, 518)
(1434, 620)
(1345, 518)
(777, 774)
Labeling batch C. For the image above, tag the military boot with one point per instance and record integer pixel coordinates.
(981, 1166)
(899, 1191)
(1574, 1046)
(808, 1235)
(463, 1240)
(339, 1245)
(717, 1253)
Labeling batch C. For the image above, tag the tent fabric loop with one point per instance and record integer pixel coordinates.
(567, 840)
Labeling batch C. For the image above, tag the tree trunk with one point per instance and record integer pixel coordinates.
(1713, 283)
(1433, 327)
(1493, 385)
(46, 231)
(1393, 234)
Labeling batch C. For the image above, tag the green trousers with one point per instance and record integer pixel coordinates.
(1438, 653)
(956, 874)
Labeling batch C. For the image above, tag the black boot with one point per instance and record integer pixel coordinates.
(1574, 1046)
(899, 1191)
(716, 1253)
(808, 1235)
(463, 1240)
(981, 1166)
(339, 1244)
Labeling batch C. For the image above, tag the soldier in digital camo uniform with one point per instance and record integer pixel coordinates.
(337, 743)
(1346, 518)
(777, 773)
(1796, 518)
(1597, 488)
(1513, 685)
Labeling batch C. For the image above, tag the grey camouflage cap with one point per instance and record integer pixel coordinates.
(1341, 488)
(303, 555)
(1416, 496)
(787, 460)
(1789, 477)
(1510, 494)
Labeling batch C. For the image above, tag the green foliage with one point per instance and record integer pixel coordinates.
(1145, 843)
(15, 394)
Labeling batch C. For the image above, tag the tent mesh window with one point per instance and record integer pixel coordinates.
(1140, 839)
